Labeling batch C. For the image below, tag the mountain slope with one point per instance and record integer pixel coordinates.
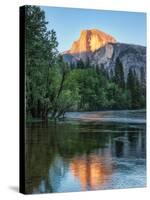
(131, 56)
(102, 50)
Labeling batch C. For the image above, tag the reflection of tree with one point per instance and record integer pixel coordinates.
(129, 142)
(44, 142)
(83, 148)
(38, 158)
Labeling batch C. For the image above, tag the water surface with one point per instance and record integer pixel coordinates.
(87, 151)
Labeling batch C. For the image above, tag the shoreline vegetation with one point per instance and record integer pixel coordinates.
(66, 117)
(55, 87)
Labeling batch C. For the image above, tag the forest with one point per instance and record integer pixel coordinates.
(54, 87)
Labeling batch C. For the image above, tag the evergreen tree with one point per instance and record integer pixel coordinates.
(130, 80)
(87, 63)
(119, 74)
(80, 64)
(134, 87)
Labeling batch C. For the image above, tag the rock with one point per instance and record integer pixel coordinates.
(131, 56)
(89, 41)
(102, 49)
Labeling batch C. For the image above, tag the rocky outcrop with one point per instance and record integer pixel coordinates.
(102, 50)
(89, 41)
(131, 56)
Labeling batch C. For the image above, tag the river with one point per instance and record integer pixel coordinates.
(87, 151)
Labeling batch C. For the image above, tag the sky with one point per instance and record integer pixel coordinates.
(126, 27)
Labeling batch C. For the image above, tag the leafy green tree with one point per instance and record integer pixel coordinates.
(64, 90)
(40, 53)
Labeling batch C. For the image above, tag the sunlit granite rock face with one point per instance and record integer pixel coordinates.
(102, 50)
(90, 40)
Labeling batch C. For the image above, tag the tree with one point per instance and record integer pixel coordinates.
(80, 64)
(119, 74)
(48, 90)
(64, 91)
(41, 51)
(133, 85)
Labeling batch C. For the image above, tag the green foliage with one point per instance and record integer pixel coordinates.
(54, 87)
(46, 73)
(41, 51)
(137, 92)
(97, 91)
(117, 97)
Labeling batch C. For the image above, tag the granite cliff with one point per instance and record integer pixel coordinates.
(103, 50)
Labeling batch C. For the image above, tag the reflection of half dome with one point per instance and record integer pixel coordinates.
(91, 171)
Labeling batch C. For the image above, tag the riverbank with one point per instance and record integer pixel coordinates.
(108, 115)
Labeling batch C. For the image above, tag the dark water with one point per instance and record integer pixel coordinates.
(87, 151)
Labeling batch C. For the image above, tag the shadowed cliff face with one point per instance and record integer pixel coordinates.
(131, 56)
(90, 40)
